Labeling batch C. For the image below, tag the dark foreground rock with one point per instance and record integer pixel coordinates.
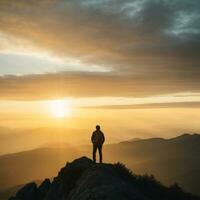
(84, 180)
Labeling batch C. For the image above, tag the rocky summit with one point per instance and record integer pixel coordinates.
(83, 179)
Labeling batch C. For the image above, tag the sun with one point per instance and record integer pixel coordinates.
(60, 108)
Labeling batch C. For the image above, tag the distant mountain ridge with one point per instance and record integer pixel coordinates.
(84, 180)
(178, 159)
(184, 136)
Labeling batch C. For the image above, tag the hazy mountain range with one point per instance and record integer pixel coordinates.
(170, 160)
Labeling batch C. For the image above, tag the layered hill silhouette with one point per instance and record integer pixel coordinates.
(170, 160)
(83, 179)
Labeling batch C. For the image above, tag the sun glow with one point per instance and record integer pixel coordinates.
(60, 108)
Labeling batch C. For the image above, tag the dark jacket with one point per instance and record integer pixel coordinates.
(97, 137)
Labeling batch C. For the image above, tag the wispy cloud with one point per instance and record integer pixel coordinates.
(149, 106)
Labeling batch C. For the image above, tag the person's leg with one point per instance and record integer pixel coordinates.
(100, 153)
(94, 152)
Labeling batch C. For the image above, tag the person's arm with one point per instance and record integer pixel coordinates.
(103, 137)
(92, 138)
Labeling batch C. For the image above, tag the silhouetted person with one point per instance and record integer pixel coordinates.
(97, 140)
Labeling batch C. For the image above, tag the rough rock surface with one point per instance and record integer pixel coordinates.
(84, 180)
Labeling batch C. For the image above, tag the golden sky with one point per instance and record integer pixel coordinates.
(132, 66)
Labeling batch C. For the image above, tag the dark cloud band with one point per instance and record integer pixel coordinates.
(69, 84)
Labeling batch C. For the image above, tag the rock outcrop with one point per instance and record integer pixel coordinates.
(84, 180)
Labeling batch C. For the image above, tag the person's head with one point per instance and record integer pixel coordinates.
(97, 127)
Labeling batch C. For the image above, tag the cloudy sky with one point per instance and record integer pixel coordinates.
(123, 48)
(105, 52)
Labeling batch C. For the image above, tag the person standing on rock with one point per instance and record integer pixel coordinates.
(97, 140)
